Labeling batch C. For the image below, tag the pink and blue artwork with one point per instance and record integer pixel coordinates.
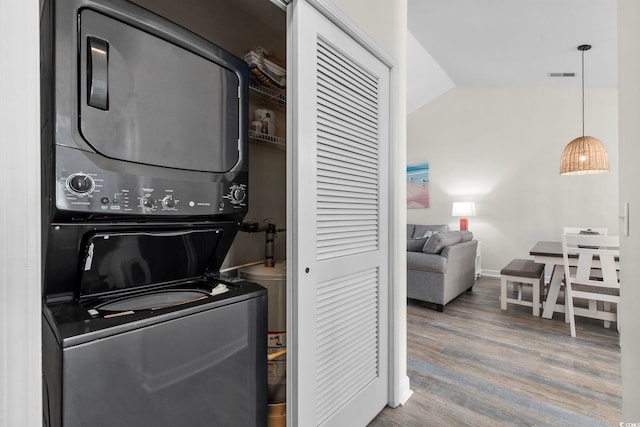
(418, 186)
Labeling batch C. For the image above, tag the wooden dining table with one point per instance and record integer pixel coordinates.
(550, 253)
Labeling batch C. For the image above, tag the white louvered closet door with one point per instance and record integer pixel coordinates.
(339, 225)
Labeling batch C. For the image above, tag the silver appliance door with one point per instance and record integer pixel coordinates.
(145, 100)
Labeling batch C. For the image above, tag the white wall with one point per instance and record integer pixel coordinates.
(501, 148)
(384, 21)
(629, 86)
(20, 240)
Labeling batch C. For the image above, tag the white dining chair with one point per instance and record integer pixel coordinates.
(595, 278)
(579, 230)
(603, 231)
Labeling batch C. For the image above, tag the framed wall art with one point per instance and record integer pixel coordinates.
(418, 186)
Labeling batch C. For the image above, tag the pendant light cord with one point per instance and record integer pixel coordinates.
(583, 94)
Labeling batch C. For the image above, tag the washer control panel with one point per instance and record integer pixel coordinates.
(93, 190)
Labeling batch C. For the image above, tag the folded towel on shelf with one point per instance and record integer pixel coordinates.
(266, 68)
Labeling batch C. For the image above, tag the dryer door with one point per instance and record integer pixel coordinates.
(146, 100)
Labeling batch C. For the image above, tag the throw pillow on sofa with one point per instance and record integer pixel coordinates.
(438, 241)
(416, 245)
(429, 233)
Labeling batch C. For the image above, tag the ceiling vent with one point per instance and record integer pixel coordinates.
(562, 74)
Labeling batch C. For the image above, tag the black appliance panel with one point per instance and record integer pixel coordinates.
(87, 182)
(116, 261)
(134, 132)
(146, 100)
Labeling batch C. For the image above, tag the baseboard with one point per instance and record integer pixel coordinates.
(491, 273)
(405, 391)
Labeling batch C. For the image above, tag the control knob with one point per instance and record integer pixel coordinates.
(80, 183)
(238, 195)
(149, 202)
(168, 202)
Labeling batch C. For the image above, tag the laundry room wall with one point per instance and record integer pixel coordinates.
(237, 26)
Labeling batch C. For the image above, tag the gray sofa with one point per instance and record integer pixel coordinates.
(440, 263)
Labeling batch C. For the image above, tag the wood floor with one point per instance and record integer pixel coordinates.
(476, 365)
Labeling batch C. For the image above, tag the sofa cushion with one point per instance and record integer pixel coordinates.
(410, 230)
(416, 245)
(426, 262)
(438, 241)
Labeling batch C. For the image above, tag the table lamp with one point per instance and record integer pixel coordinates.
(463, 210)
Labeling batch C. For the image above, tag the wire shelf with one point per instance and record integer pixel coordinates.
(270, 140)
(268, 94)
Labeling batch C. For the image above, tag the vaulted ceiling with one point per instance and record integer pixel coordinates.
(510, 43)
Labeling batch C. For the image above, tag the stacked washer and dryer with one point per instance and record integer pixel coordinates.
(145, 177)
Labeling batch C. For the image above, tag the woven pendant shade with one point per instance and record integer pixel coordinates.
(584, 155)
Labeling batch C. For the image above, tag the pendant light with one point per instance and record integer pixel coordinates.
(585, 154)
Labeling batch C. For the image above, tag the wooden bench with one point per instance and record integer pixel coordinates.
(522, 271)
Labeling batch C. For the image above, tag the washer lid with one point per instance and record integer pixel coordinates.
(118, 261)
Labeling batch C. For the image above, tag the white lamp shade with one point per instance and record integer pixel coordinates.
(463, 209)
